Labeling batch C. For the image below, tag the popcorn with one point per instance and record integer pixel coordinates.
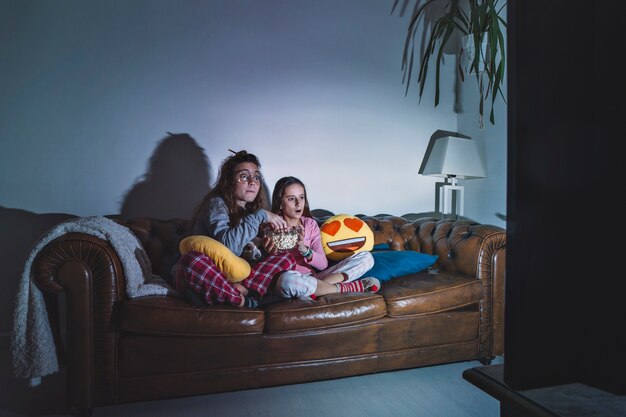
(284, 239)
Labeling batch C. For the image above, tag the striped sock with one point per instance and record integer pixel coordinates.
(250, 302)
(354, 286)
(371, 284)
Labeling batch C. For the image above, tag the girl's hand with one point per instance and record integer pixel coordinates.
(302, 248)
(243, 290)
(300, 236)
(268, 245)
(276, 221)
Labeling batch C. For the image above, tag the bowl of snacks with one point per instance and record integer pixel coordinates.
(284, 239)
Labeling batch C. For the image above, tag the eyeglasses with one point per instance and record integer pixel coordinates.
(246, 177)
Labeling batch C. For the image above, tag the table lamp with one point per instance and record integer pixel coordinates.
(452, 158)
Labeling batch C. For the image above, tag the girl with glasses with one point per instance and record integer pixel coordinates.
(232, 213)
(312, 276)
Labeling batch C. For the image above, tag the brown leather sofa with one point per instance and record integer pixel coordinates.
(124, 350)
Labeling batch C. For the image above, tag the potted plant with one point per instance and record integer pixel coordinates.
(480, 22)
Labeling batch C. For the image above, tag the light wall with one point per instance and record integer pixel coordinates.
(313, 88)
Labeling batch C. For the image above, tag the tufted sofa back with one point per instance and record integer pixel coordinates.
(451, 240)
(160, 238)
(457, 243)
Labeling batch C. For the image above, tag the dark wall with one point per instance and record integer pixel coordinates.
(563, 316)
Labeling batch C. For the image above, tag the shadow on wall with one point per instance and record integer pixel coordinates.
(178, 177)
(177, 180)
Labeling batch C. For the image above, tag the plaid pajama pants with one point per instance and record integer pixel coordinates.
(198, 272)
(294, 284)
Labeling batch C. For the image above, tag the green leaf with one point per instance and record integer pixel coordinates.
(478, 18)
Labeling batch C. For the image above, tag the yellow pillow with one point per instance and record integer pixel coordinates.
(235, 268)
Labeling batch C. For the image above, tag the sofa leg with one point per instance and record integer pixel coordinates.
(486, 361)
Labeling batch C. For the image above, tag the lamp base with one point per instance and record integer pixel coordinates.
(449, 198)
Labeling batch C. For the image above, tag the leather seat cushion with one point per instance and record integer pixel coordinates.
(325, 312)
(425, 293)
(420, 293)
(173, 316)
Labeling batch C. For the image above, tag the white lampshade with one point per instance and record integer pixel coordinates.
(454, 157)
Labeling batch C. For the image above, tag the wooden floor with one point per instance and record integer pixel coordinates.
(436, 391)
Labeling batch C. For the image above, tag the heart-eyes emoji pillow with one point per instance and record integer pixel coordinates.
(343, 235)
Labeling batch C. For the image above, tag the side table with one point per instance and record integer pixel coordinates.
(569, 400)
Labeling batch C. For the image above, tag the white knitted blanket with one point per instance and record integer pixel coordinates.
(32, 345)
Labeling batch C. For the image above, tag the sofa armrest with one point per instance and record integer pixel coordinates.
(490, 269)
(477, 250)
(90, 274)
(463, 247)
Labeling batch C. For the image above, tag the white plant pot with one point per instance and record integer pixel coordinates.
(467, 42)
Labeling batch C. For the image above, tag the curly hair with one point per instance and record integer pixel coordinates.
(279, 192)
(225, 186)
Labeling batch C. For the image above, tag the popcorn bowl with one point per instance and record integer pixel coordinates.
(284, 239)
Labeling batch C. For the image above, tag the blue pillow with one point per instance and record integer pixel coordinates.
(392, 263)
(381, 246)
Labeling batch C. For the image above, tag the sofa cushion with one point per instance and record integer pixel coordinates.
(331, 310)
(425, 293)
(164, 315)
(394, 263)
